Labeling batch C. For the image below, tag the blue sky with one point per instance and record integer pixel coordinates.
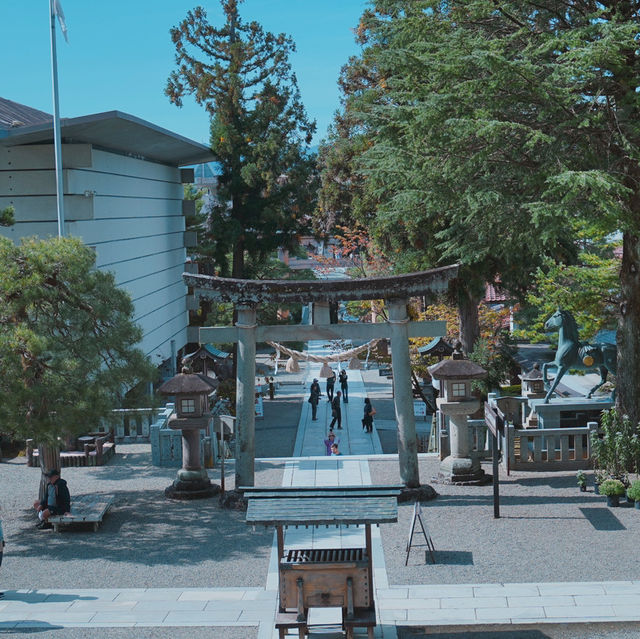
(120, 54)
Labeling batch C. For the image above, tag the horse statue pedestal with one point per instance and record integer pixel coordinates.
(569, 412)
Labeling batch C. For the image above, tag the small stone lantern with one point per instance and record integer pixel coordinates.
(532, 388)
(457, 403)
(192, 415)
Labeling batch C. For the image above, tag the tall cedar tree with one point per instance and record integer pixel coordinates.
(259, 133)
(505, 130)
(67, 341)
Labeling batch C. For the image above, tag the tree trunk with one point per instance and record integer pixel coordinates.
(49, 457)
(469, 325)
(627, 396)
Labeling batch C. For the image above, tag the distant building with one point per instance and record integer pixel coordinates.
(123, 197)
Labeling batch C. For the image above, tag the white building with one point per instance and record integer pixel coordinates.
(123, 196)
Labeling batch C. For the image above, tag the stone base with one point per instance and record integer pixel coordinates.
(191, 490)
(479, 478)
(233, 500)
(421, 493)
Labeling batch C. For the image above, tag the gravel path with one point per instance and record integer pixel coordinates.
(144, 541)
(548, 532)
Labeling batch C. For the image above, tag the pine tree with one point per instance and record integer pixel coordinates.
(505, 130)
(259, 134)
(67, 341)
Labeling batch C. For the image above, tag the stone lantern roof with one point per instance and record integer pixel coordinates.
(457, 367)
(534, 375)
(186, 383)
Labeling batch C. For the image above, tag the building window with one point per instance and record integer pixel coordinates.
(188, 405)
(458, 389)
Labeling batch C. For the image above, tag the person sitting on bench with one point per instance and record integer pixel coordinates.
(57, 500)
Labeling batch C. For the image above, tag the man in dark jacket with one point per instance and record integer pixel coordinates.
(57, 500)
(344, 385)
(331, 381)
(314, 398)
(336, 412)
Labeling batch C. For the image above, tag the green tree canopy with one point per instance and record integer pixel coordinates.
(259, 134)
(501, 131)
(67, 340)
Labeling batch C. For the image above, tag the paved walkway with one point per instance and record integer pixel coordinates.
(475, 605)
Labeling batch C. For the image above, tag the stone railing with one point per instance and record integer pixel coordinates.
(166, 443)
(548, 448)
(133, 425)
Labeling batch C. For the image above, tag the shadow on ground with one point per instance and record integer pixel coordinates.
(148, 529)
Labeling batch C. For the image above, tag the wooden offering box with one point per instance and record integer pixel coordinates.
(330, 578)
(324, 577)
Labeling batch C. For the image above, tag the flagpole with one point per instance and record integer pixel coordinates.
(57, 143)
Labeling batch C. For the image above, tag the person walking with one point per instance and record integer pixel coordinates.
(367, 419)
(314, 398)
(336, 412)
(334, 450)
(344, 385)
(331, 382)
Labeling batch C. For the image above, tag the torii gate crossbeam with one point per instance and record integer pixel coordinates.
(247, 294)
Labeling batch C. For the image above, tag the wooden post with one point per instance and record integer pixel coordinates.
(367, 537)
(496, 482)
(221, 451)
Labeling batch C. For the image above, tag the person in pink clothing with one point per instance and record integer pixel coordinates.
(330, 441)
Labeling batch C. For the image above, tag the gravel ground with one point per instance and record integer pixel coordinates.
(548, 532)
(144, 541)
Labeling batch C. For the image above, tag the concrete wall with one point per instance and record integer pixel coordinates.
(130, 210)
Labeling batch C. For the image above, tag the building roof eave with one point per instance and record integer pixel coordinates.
(120, 132)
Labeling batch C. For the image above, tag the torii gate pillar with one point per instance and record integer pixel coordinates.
(402, 393)
(320, 313)
(245, 396)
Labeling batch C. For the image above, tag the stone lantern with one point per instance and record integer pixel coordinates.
(192, 415)
(532, 388)
(457, 403)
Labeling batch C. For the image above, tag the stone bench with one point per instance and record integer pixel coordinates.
(85, 509)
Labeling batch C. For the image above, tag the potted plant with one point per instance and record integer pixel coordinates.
(581, 478)
(598, 477)
(612, 489)
(634, 493)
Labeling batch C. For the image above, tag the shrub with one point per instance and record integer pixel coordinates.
(616, 446)
(634, 490)
(612, 487)
(581, 478)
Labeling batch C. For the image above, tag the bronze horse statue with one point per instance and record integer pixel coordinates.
(572, 353)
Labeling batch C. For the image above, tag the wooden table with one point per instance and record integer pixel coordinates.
(324, 577)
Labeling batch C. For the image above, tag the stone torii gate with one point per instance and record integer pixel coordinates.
(248, 294)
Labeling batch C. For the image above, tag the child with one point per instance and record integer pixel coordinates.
(330, 441)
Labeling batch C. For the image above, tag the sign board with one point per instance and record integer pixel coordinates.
(385, 372)
(493, 419)
(419, 409)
